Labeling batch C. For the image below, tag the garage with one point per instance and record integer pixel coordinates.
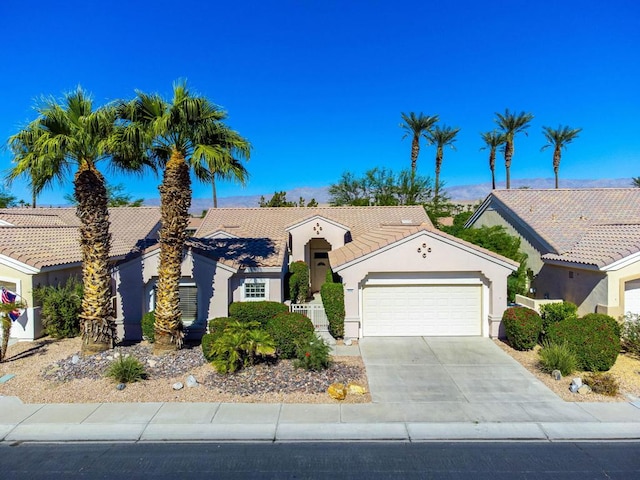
(422, 310)
(632, 297)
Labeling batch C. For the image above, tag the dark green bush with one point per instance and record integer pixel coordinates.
(61, 306)
(522, 326)
(256, 311)
(556, 312)
(126, 369)
(333, 301)
(206, 342)
(298, 282)
(288, 330)
(148, 324)
(558, 357)
(594, 338)
(218, 324)
(241, 345)
(313, 355)
(630, 334)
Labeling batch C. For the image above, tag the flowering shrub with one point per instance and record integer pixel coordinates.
(522, 326)
(313, 355)
(631, 334)
(594, 338)
(289, 329)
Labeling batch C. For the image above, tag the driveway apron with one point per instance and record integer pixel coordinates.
(447, 369)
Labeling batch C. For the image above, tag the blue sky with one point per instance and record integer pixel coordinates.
(318, 86)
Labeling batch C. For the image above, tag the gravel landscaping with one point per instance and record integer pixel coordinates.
(52, 371)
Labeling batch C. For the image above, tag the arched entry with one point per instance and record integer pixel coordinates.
(318, 262)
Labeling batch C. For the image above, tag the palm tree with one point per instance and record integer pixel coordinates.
(226, 168)
(635, 182)
(558, 139)
(441, 137)
(186, 133)
(416, 126)
(511, 124)
(66, 134)
(492, 141)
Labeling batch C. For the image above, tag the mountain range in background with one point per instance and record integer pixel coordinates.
(459, 193)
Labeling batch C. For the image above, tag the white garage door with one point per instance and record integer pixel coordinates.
(423, 310)
(632, 297)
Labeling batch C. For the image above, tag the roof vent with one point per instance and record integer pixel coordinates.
(406, 222)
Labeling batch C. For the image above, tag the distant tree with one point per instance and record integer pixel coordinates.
(416, 126)
(559, 138)
(492, 140)
(381, 187)
(441, 137)
(279, 199)
(511, 124)
(7, 200)
(635, 181)
(116, 197)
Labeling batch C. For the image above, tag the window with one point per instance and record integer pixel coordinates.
(188, 303)
(255, 289)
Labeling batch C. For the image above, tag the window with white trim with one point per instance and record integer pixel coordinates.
(254, 289)
(188, 303)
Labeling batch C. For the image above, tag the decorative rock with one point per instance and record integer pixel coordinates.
(557, 375)
(348, 342)
(109, 357)
(120, 386)
(152, 363)
(584, 389)
(576, 383)
(117, 355)
(356, 389)
(178, 386)
(191, 381)
(75, 359)
(337, 391)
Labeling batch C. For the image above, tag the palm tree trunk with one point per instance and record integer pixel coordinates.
(508, 153)
(175, 200)
(492, 166)
(97, 320)
(438, 166)
(213, 188)
(556, 164)
(415, 151)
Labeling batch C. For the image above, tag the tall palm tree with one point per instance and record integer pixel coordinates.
(441, 137)
(67, 134)
(416, 126)
(511, 124)
(559, 138)
(185, 134)
(226, 169)
(492, 140)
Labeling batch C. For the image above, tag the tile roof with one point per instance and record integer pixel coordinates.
(40, 217)
(242, 252)
(587, 226)
(53, 245)
(389, 234)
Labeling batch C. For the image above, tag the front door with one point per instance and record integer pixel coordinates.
(319, 267)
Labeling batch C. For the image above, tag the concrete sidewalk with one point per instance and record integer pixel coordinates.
(132, 422)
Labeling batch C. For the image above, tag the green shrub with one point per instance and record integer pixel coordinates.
(594, 338)
(556, 312)
(205, 343)
(630, 334)
(558, 357)
(522, 326)
(148, 326)
(126, 370)
(602, 383)
(239, 346)
(259, 312)
(216, 326)
(288, 330)
(333, 301)
(313, 355)
(298, 282)
(61, 306)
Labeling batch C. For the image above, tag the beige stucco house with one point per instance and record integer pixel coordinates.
(401, 276)
(583, 244)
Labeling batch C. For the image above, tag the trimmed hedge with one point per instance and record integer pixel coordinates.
(259, 312)
(594, 338)
(289, 330)
(217, 326)
(556, 312)
(148, 323)
(333, 301)
(522, 326)
(206, 343)
(298, 282)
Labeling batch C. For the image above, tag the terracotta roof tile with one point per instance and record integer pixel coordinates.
(40, 217)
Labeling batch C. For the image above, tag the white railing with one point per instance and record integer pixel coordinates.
(314, 312)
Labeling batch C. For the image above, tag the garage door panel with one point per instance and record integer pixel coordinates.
(632, 296)
(425, 310)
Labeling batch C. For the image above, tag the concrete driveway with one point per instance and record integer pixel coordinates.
(447, 369)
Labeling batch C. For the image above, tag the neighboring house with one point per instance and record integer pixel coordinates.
(583, 245)
(401, 276)
(41, 247)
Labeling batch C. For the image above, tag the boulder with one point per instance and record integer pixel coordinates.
(120, 386)
(356, 389)
(557, 375)
(337, 391)
(178, 386)
(584, 389)
(191, 381)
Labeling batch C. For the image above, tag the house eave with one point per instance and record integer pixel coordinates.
(623, 262)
